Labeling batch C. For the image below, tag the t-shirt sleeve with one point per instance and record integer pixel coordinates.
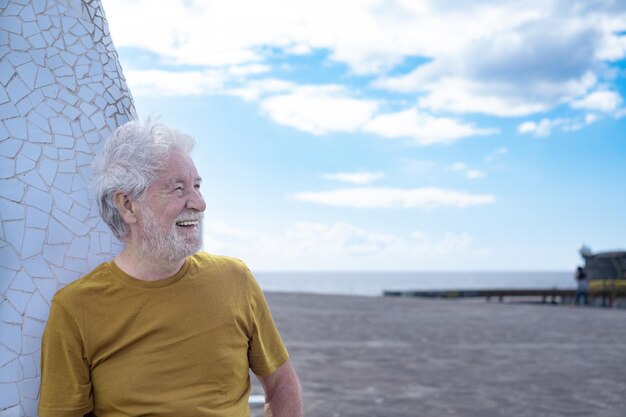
(65, 376)
(266, 351)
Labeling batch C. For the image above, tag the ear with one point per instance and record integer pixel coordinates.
(125, 207)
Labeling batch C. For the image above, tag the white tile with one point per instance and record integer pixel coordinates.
(18, 43)
(28, 74)
(64, 141)
(64, 276)
(57, 233)
(54, 254)
(68, 166)
(30, 344)
(38, 308)
(32, 327)
(47, 287)
(41, 200)
(48, 170)
(17, 127)
(88, 109)
(33, 242)
(43, 21)
(7, 167)
(14, 233)
(38, 120)
(79, 228)
(9, 401)
(44, 77)
(79, 247)
(12, 24)
(72, 112)
(94, 244)
(37, 267)
(44, 108)
(10, 147)
(60, 125)
(12, 189)
(30, 406)
(6, 72)
(18, 58)
(27, 14)
(8, 110)
(11, 336)
(51, 152)
(36, 40)
(37, 218)
(9, 314)
(67, 154)
(11, 211)
(98, 120)
(23, 282)
(28, 366)
(63, 202)
(31, 150)
(17, 90)
(6, 355)
(29, 388)
(38, 56)
(33, 178)
(78, 183)
(38, 135)
(77, 265)
(11, 372)
(9, 257)
(105, 242)
(81, 71)
(85, 124)
(69, 81)
(63, 182)
(79, 213)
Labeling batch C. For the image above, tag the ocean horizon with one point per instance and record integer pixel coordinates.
(374, 283)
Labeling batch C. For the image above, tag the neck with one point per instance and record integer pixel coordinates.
(141, 266)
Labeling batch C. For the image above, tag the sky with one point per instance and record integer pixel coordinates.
(392, 135)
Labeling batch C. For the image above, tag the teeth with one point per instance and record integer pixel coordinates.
(187, 223)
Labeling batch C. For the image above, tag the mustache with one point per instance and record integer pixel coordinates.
(190, 215)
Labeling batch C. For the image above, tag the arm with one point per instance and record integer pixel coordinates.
(283, 395)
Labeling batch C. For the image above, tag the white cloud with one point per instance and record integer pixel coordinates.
(166, 83)
(496, 58)
(255, 89)
(372, 197)
(422, 127)
(496, 153)
(323, 246)
(358, 178)
(468, 172)
(319, 109)
(603, 101)
(544, 127)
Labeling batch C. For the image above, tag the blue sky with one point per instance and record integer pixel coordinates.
(392, 135)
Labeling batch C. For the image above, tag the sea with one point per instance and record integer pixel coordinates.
(375, 283)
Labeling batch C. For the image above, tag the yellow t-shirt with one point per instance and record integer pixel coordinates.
(181, 346)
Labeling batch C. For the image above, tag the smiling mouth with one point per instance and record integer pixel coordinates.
(187, 223)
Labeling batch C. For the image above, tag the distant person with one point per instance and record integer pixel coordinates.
(582, 286)
(162, 329)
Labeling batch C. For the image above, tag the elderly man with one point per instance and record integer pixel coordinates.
(160, 330)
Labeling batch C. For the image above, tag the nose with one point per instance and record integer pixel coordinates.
(195, 201)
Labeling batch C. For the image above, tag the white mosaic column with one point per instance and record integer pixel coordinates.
(62, 93)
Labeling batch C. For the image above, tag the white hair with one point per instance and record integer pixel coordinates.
(129, 162)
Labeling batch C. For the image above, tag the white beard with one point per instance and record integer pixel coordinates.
(168, 245)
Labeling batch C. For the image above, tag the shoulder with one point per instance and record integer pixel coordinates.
(89, 284)
(219, 263)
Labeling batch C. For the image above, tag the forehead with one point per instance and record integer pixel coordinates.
(178, 167)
